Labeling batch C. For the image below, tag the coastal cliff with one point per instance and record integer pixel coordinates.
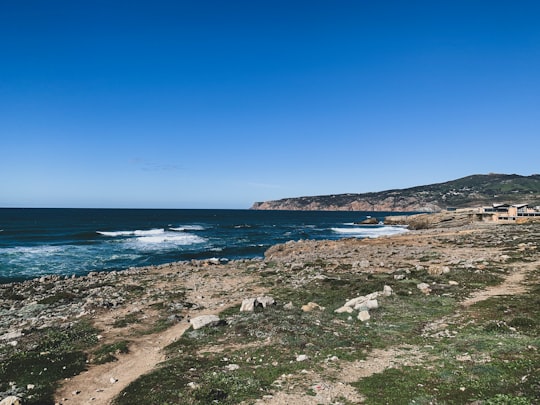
(467, 192)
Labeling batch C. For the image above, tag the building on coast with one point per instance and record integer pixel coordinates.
(511, 212)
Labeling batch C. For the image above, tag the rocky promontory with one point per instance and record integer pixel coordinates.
(467, 192)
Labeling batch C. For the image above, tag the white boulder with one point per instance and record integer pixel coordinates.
(204, 320)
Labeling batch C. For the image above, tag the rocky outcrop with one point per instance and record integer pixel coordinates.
(436, 220)
(389, 204)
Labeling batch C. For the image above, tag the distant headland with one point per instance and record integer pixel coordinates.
(471, 191)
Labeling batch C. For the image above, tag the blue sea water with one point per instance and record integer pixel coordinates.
(35, 242)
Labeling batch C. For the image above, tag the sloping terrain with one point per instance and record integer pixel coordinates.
(470, 191)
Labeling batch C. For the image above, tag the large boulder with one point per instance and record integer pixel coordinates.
(205, 320)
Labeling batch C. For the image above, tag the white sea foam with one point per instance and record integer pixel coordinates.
(32, 251)
(149, 232)
(183, 228)
(33, 261)
(370, 232)
(164, 241)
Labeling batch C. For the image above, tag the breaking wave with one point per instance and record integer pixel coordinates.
(370, 232)
(149, 232)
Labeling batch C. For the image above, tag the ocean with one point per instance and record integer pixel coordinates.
(36, 242)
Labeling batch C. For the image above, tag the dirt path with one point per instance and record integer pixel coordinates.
(100, 384)
(214, 291)
(512, 285)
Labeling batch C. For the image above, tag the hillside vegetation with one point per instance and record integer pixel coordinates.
(471, 191)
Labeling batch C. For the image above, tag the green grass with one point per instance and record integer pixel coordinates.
(493, 357)
(49, 356)
(107, 353)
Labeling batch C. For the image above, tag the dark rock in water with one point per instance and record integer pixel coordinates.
(368, 221)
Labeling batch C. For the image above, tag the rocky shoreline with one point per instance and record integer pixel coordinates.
(446, 259)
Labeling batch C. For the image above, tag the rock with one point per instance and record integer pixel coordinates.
(113, 380)
(343, 309)
(387, 291)
(301, 357)
(363, 316)
(364, 264)
(452, 282)
(369, 221)
(372, 304)
(435, 270)
(310, 306)
(464, 357)
(232, 367)
(77, 392)
(265, 301)
(204, 320)
(248, 305)
(11, 400)
(288, 306)
(399, 277)
(424, 287)
(358, 300)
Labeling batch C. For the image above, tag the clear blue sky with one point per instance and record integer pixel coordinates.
(217, 104)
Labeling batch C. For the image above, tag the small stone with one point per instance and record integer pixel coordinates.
(248, 305)
(30, 386)
(435, 270)
(452, 282)
(265, 301)
(301, 357)
(288, 306)
(387, 290)
(424, 287)
(232, 367)
(76, 392)
(464, 357)
(363, 316)
(113, 380)
(311, 306)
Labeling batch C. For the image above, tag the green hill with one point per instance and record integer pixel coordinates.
(471, 191)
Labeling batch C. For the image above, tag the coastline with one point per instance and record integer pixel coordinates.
(150, 307)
